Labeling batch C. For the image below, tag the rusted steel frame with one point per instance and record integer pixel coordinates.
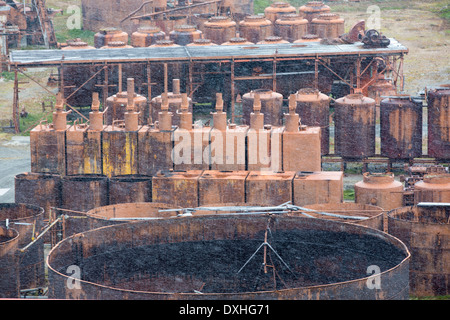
(31, 78)
(364, 71)
(79, 88)
(175, 9)
(372, 80)
(40, 235)
(322, 63)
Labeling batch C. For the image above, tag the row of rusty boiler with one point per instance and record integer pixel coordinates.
(128, 144)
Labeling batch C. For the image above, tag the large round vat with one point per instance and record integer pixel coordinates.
(84, 192)
(425, 230)
(28, 221)
(9, 266)
(277, 9)
(255, 28)
(438, 100)
(130, 189)
(433, 188)
(271, 106)
(215, 257)
(219, 29)
(291, 27)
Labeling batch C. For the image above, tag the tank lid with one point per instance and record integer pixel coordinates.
(185, 28)
(280, 4)
(236, 40)
(437, 178)
(291, 17)
(255, 17)
(378, 178)
(327, 16)
(109, 30)
(310, 37)
(164, 43)
(202, 42)
(149, 29)
(220, 19)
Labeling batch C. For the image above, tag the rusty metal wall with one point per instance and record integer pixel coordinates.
(350, 251)
(318, 187)
(426, 232)
(146, 36)
(401, 127)
(9, 264)
(433, 188)
(271, 106)
(117, 105)
(438, 101)
(302, 150)
(130, 189)
(198, 143)
(221, 187)
(255, 28)
(269, 188)
(27, 220)
(291, 27)
(219, 29)
(83, 193)
(277, 9)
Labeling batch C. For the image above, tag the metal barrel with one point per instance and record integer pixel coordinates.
(438, 100)
(84, 192)
(9, 264)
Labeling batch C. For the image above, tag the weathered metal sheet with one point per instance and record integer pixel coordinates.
(191, 149)
(10, 279)
(302, 150)
(269, 188)
(439, 123)
(433, 188)
(318, 188)
(271, 106)
(28, 221)
(426, 232)
(130, 189)
(182, 249)
(84, 192)
(222, 187)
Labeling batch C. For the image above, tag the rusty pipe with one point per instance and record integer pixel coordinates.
(292, 118)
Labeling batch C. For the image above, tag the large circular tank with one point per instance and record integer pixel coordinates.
(374, 215)
(273, 40)
(219, 29)
(10, 279)
(117, 105)
(426, 232)
(255, 28)
(146, 36)
(130, 189)
(237, 41)
(175, 101)
(380, 189)
(380, 88)
(107, 35)
(291, 27)
(271, 106)
(314, 110)
(222, 258)
(439, 122)
(184, 34)
(28, 221)
(355, 117)
(433, 188)
(84, 192)
(328, 26)
(401, 127)
(312, 10)
(277, 9)
(74, 223)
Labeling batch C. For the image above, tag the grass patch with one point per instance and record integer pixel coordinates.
(32, 120)
(349, 195)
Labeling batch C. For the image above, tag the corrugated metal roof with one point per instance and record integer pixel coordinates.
(186, 53)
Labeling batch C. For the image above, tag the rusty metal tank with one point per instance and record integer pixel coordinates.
(136, 269)
(219, 29)
(116, 45)
(313, 108)
(355, 114)
(309, 38)
(27, 220)
(381, 87)
(321, 187)
(130, 189)
(117, 105)
(237, 41)
(438, 101)
(221, 187)
(9, 264)
(84, 192)
(273, 40)
(255, 28)
(78, 222)
(269, 188)
(328, 26)
(374, 215)
(433, 188)
(291, 27)
(146, 36)
(278, 9)
(184, 34)
(201, 43)
(107, 35)
(312, 10)
(271, 106)
(380, 189)
(164, 43)
(78, 45)
(425, 230)
(401, 127)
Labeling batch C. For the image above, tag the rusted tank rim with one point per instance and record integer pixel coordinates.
(280, 4)
(378, 178)
(395, 213)
(11, 235)
(35, 210)
(165, 43)
(185, 28)
(437, 179)
(99, 213)
(343, 226)
(292, 17)
(148, 29)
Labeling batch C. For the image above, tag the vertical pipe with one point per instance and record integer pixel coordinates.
(16, 102)
(274, 77)
(120, 77)
(165, 78)
(149, 92)
(233, 107)
(358, 73)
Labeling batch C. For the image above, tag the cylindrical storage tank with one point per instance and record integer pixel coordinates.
(277, 9)
(433, 188)
(220, 29)
(175, 100)
(255, 28)
(9, 265)
(439, 123)
(116, 45)
(107, 35)
(328, 26)
(313, 108)
(84, 192)
(236, 41)
(172, 259)
(146, 36)
(184, 34)
(130, 189)
(291, 27)
(426, 232)
(374, 215)
(40, 190)
(401, 127)
(271, 106)
(28, 221)
(117, 106)
(312, 10)
(309, 38)
(74, 223)
(273, 40)
(380, 88)
(355, 115)
(380, 189)
(201, 43)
